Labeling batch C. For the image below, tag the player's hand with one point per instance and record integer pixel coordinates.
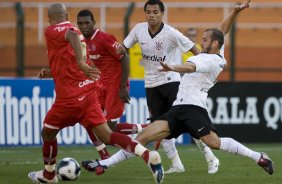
(120, 49)
(165, 67)
(124, 94)
(44, 73)
(240, 7)
(90, 71)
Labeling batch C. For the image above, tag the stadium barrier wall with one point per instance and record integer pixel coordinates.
(24, 103)
(248, 112)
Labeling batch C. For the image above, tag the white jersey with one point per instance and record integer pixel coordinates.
(222, 51)
(157, 48)
(194, 87)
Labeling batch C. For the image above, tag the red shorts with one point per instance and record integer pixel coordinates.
(87, 112)
(110, 102)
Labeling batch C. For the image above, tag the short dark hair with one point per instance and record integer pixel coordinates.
(153, 2)
(84, 13)
(216, 35)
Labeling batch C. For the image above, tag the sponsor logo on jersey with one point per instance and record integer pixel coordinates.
(85, 83)
(116, 45)
(61, 28)
(81, 98)
(154, 58)
(95, 56)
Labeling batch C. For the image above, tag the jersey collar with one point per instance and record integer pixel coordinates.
(219, 55)
(65, 22)
(160, 29)
(94, 34)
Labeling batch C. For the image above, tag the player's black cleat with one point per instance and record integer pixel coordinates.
(266, 163)
(94, 166)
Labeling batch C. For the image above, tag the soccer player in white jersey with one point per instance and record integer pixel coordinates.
(189, 112)
(159, 42)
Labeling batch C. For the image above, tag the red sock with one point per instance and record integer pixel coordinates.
(50, 151)
(100, 147)
(128, 144)
(145, 156)
(144, 125)
(48, 175)
(123, 141)
(128, 128)
(104, 154)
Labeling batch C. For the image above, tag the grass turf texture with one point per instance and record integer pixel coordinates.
(16, 162)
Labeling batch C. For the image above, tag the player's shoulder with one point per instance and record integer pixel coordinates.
(141, 25)
(61, 27)
(210, 57)
(169, 28)
(104, 36)
(170, 31)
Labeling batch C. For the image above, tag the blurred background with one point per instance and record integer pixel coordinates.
(255, 56)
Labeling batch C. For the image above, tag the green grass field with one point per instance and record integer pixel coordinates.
(15, 163)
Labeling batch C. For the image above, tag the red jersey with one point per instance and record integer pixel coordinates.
(102, 51)
(70, 82)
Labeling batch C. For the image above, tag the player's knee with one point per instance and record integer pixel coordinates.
(112, 125)
(141, 138)
(48, 134)
(105, 137)
(213, 143)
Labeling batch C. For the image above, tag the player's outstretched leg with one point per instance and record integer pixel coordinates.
(172, 154)
(232, 146)
(213, 162)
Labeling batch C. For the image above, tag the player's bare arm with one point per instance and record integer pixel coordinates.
(91, 72)
(123, 90)
(226, 24)
(45, 73)
(187, 67)
(121, 49)
(195, 50)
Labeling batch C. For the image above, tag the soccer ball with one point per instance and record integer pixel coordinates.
(68, 169)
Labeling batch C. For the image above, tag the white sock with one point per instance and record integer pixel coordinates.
(50, 168)
(205, 150)
(100, 147)
(139, 128)
(232, 146)
(171, 152)
(119, 156)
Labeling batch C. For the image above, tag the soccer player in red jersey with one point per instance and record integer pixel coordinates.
(76, 100)
(113, 92)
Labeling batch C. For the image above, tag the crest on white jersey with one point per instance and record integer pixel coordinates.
(159, 45)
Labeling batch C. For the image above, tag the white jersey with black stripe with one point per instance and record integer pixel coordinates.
(194, 87)
(157, 48)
